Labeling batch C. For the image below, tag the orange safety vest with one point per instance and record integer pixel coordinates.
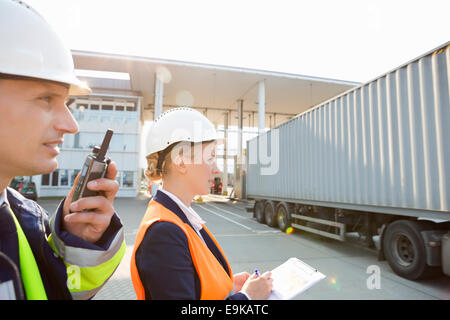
(214, 281)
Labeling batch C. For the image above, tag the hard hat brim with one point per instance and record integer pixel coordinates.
(76, 87)
(79, 88)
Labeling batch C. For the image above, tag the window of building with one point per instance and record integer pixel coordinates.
(60, 178)
(64, 177)
(132, 117)
(106, 118)
(45, 180)
(119, 114)
(131, 107)
(119, 177)
(79, 114)
(88, 140)
(116, 143)
(68, 141)
(128, 179)
(76, 142)
(94, 113)
(129, 142)
(52, 179)
(107, 113)
(55, 176)
(94, 116)
(118, 118)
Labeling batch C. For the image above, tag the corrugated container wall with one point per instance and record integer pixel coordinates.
(385, 143)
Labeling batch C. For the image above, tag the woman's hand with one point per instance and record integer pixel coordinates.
(258, 288)
(239, 280)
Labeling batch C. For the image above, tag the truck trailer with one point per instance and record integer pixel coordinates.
(374, 160)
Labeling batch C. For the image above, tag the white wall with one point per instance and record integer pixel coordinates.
(93, 121)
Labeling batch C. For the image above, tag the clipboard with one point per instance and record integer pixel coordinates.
(292, 278)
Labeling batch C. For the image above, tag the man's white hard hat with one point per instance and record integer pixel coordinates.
(31, 48)
(177, 125)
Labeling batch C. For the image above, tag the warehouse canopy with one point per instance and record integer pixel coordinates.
(211, 89)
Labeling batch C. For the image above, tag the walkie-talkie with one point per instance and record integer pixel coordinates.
(94, 168)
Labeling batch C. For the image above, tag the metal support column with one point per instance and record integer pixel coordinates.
(238, 163)
(261, 106)
(159, 95)
(225, 151)
(240, 128)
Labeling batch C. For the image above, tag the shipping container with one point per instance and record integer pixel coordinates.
(374, 159)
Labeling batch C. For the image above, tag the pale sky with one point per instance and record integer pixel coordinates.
(339, 39)
(346, 40)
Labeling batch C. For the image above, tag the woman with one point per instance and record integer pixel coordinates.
(175, 256)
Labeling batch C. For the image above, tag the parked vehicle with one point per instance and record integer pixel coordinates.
(29, 190)
(216, 186)
(25, 187)
(373, 160)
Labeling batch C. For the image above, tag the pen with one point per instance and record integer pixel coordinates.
(256, 272)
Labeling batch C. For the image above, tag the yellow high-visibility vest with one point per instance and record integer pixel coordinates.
(31, 277)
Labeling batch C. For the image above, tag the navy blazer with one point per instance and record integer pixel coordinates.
(164, 262)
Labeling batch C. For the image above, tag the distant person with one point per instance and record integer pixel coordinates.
(74, 254)
(175, 255)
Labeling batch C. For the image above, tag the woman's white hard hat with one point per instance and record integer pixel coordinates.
(31, 48)
(177, 125)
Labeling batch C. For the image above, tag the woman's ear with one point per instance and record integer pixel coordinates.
(178, 164)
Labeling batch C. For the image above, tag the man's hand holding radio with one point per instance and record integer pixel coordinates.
(90, 225)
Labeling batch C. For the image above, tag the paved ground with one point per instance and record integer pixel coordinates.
(249, 245)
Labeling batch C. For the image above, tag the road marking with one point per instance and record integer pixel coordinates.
(249, 235)
(232, 213)
(228, 219)
(237, 223)
(249, 219)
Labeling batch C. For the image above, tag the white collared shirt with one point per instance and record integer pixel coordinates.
(3, 198)
(193, 217)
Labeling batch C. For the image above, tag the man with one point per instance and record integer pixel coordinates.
(74, 254)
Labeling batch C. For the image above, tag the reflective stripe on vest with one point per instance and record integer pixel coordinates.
(215, 283)
(31, 278)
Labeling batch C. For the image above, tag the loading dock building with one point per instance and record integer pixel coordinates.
(129, 91)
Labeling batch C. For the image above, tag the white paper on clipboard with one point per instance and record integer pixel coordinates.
(292, 278)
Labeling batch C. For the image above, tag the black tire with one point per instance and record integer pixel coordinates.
(270, 214)
(258, 211)
(283, 215)
(404, 250)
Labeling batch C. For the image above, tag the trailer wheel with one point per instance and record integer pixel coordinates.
(269, 214)
(258, 210)
(283, 216)
(404, 249)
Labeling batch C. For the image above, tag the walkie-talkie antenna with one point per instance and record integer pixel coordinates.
(105, 145)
